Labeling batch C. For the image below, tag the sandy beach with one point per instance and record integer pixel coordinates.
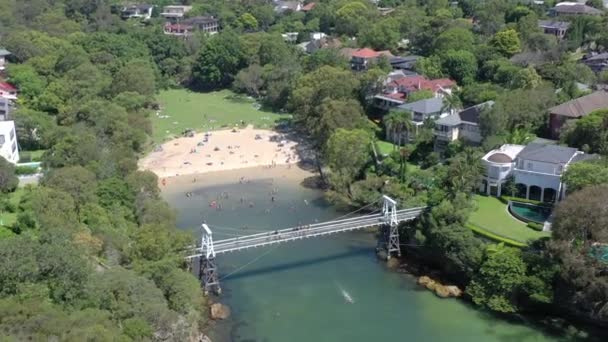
(220, 151)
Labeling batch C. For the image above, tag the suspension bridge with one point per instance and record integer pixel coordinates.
(208, 250)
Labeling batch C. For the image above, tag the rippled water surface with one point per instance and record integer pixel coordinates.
(296, 292)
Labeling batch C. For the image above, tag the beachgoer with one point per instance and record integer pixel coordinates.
(250, 204)
(272, 199)
(164, 182)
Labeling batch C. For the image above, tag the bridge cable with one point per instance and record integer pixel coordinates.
(249, 263)
(352, 212)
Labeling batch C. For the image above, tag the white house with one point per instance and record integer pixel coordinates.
(175, 12)
(499, 164)
(537, 169)
(142, 11)
(462, 125)
(6, 105)
(8, 141)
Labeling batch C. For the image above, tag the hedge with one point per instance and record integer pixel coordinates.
(536, 226)
(26, 170)
(478, 230)
(506, 199)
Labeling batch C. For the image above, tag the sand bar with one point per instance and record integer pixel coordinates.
(220, 151)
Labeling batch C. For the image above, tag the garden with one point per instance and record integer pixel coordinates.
(492, 216)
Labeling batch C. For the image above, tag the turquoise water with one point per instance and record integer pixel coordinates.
(531, 212)
(294, 292)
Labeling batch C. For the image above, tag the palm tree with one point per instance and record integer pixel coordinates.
(396, 123)
(519, 136)
(451, 103)
(465, 171)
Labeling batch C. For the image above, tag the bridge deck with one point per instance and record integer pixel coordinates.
(307, 231)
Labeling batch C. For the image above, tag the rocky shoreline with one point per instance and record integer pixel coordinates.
(428, 281)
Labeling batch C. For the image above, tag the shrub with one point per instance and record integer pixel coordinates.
(506, 199)
(536, 226)
(26, 170)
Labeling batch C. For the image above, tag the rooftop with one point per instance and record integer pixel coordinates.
(4, 52)
(504, 154)
(308, 7)
(426, 106)
(559, 25)
(575, 8)
(554, 154)
(468, 115)
(7, 86)
(583, 105)
(419, 82)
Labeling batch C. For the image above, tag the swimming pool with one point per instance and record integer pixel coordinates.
(529, 212)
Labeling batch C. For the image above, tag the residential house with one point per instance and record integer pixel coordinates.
(596, 62)
(308, 7)
(287, 6)
(463, 125)
(8, 91)
(423, 110)
(553, 27)
(361, 59)
(207, 24)
(6, 107)
(141, 11)
(290, 37)
(3, 54)
(575, 109)
(319, 40)
(395, 92)
(499, 165)
(573, 8)
(8, 142)
(404, 63)
(536, 168)
(175, 12)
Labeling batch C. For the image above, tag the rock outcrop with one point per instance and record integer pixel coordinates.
(219, 311)
(442, 291)
(392, 263)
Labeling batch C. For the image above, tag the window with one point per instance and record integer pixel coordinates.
(12, 134)
(2, 139)
(529, 166)
(14, 148)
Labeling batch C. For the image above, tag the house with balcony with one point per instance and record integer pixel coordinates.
(8, 91)
(6, 107)
(423, 110)
(141, 11)
(536, 168)
(287, 6)
(362, 59)
(175, 12)
(185, 27)
(398, 88)
(463, 125)
(8, 142)
(554, 27)
(575, 109)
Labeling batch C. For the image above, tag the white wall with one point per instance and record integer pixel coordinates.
(9, 149)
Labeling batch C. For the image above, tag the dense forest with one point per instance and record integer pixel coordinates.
(94, 253)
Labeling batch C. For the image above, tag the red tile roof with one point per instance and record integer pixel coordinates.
(7, 86)
(396, 96)
(308, 7)
(365, 53)
(418, 82)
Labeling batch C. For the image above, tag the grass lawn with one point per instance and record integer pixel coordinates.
(7, 219)
(386, 148)
(492, 215)
(34, 156)
(206, 111)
